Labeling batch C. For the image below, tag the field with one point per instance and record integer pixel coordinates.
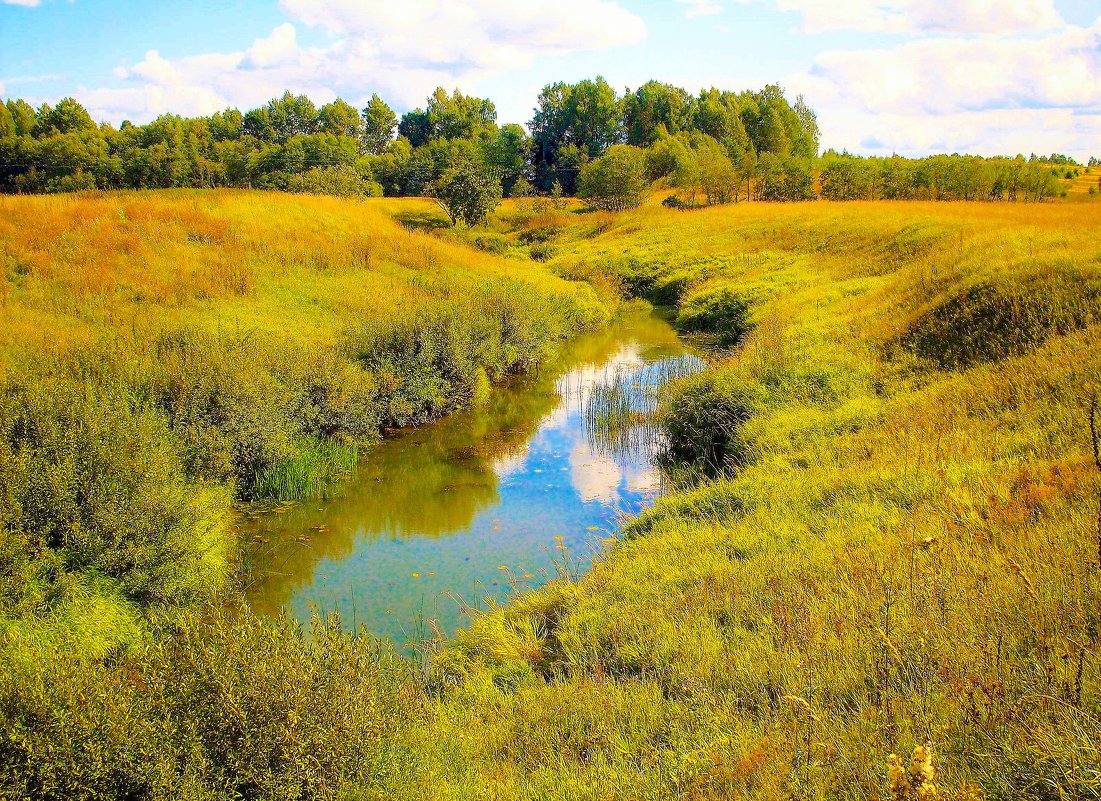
(900, 544)
(166, 354)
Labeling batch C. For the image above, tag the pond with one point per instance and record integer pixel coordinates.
(486, 502)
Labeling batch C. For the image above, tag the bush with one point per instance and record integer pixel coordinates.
(716, 311)
(702, 417)
(616, 180)
(340, 181)
(93, 486)
(468, 192)
(223, 708)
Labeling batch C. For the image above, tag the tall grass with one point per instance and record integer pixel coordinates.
(897, 557)
(165, 354)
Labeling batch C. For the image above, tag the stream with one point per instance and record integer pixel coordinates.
(481, 504)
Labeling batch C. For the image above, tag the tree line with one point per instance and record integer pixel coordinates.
(291, 143)
(584, 139)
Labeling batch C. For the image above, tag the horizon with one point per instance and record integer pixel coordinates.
(951, 77)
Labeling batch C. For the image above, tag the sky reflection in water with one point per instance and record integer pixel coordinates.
(480, 502)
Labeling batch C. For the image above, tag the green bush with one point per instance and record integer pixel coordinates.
(342, 181)
(716, 311)
(94, 486)
(229, 707)
(702, 417)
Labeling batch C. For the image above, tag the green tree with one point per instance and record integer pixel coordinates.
(508, 154)
(652, 106)
(67, 116)
(379, 124)
(616, 180)
(228, 125)
(292, 115)
(468, 192)
(584, 116)
(22, 116)
(784, 179)
(340, 119)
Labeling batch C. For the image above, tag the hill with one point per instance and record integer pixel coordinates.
(896, 544)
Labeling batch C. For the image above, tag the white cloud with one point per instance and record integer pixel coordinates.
(26, 3)
(486, 34)
(1028, 92)
(401, 50)
(927, 16)
(279, 49)
(938, 76)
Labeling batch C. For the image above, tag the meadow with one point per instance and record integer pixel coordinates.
(888, 585)
(166, 355)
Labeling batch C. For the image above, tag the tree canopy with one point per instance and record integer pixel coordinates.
(712, 147)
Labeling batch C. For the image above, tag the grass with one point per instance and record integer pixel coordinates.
(165, 354)
(899, 548)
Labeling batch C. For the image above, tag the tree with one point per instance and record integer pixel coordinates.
(292, 115)
(67, 116)
(508, 153)
(379, 124)
(784, 179)
(226, 125)
(459, 116)
(468, 192)
(717, 177)
(616, 180)
(340, 119)
(583, 116)
(652, 106)
(22, 116)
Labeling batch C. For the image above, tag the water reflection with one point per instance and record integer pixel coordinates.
(481, 502)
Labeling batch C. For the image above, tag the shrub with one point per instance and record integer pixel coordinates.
(616, 180)
(716, 311)
(702, 417)
(342, 181)
(93, 486)
(229, 707)
(468, 192)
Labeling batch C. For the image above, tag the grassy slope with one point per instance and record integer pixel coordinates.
(911, 553)
(162, 352)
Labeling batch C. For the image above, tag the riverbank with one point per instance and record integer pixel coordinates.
(165, 355)
(901, 549)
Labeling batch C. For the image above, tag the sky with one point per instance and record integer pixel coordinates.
(885, 76)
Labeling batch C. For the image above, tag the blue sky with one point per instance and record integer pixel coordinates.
(911, 76)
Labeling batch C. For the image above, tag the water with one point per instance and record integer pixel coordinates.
(483, 503)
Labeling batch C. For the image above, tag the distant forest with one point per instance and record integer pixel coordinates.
(714, 147)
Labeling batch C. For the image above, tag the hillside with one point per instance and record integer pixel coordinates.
(898, 543)
(166, 354)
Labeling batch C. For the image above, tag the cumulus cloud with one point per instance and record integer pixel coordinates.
(938, 76)
(494, 34)
(1037, 91)
(927, 16)
(402, 50)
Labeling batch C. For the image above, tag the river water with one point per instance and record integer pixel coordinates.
(483, 503)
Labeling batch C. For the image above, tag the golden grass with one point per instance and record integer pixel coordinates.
(907, 552)
(911, 554)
